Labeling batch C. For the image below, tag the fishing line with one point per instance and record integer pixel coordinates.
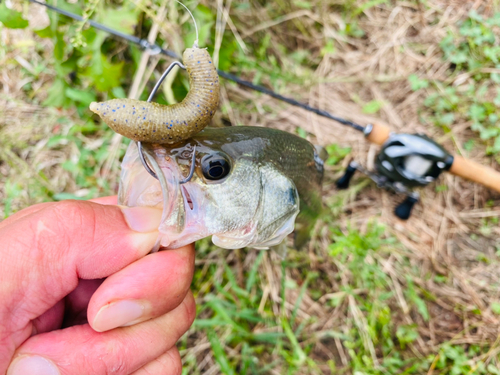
(154, 49)
(194, 21)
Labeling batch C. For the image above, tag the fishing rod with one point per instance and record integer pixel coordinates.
(405, 161)
(155, 49)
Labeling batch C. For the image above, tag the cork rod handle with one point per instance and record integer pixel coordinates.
(476, 172)
(379, 134)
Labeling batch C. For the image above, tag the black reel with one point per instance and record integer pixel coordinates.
(405, 161)
(412, 159)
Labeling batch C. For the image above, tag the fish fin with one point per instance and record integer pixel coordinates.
(280, 234)
(301, 235)
(281, 249)
(227, 242)
(321, 152)
(304, 225)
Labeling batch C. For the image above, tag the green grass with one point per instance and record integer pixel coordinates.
(470, 92)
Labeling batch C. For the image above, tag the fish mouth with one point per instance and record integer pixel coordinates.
(183, 205)
(187, 198)
(183, 220)
(139, 189)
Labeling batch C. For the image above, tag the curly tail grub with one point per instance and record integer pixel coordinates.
(156, 123)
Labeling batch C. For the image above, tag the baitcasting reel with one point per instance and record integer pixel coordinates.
(414, 160)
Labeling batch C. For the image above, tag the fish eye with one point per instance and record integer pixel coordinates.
(215, 167)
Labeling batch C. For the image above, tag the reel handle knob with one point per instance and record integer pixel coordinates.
(403, 210)
(343, 182)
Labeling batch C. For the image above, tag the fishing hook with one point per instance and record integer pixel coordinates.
(191, 169)
(162, 78)
(152, 173)
(139, 144)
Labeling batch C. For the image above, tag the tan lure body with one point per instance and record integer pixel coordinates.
(168, 124)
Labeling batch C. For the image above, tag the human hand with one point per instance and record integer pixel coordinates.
(73, 271)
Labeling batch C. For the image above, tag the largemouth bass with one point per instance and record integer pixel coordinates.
(250, 186)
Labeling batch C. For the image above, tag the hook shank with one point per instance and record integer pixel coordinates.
(152, 173)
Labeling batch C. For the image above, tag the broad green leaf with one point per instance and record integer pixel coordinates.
(45, 33)
(406, 334)
(336, 153)
(59, 47)
(489, 133)
(301, 132)
(81, 96)
(119, 92)
(105, 74)
(12, 18)
(493, 370)
(121, 19)
(56, 97)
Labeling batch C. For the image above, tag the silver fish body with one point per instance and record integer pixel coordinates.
(251, 186)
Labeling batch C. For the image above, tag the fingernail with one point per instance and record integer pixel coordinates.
(32, 365)
(118, 314)
(142, 219)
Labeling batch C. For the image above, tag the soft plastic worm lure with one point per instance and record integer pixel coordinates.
(157, 123)
(168, 124)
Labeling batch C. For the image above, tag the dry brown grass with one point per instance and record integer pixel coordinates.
(447, 234)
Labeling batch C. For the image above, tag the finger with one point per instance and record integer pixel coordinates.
(106, 200)
(112, 200)
(169, 363)
(146, 289)
(70, 311)
(70, 240)
(25, 212)
(50, 320)
(119, 351)
(49, 250)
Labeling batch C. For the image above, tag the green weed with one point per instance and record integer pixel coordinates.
(374, 327)
(471, 92)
